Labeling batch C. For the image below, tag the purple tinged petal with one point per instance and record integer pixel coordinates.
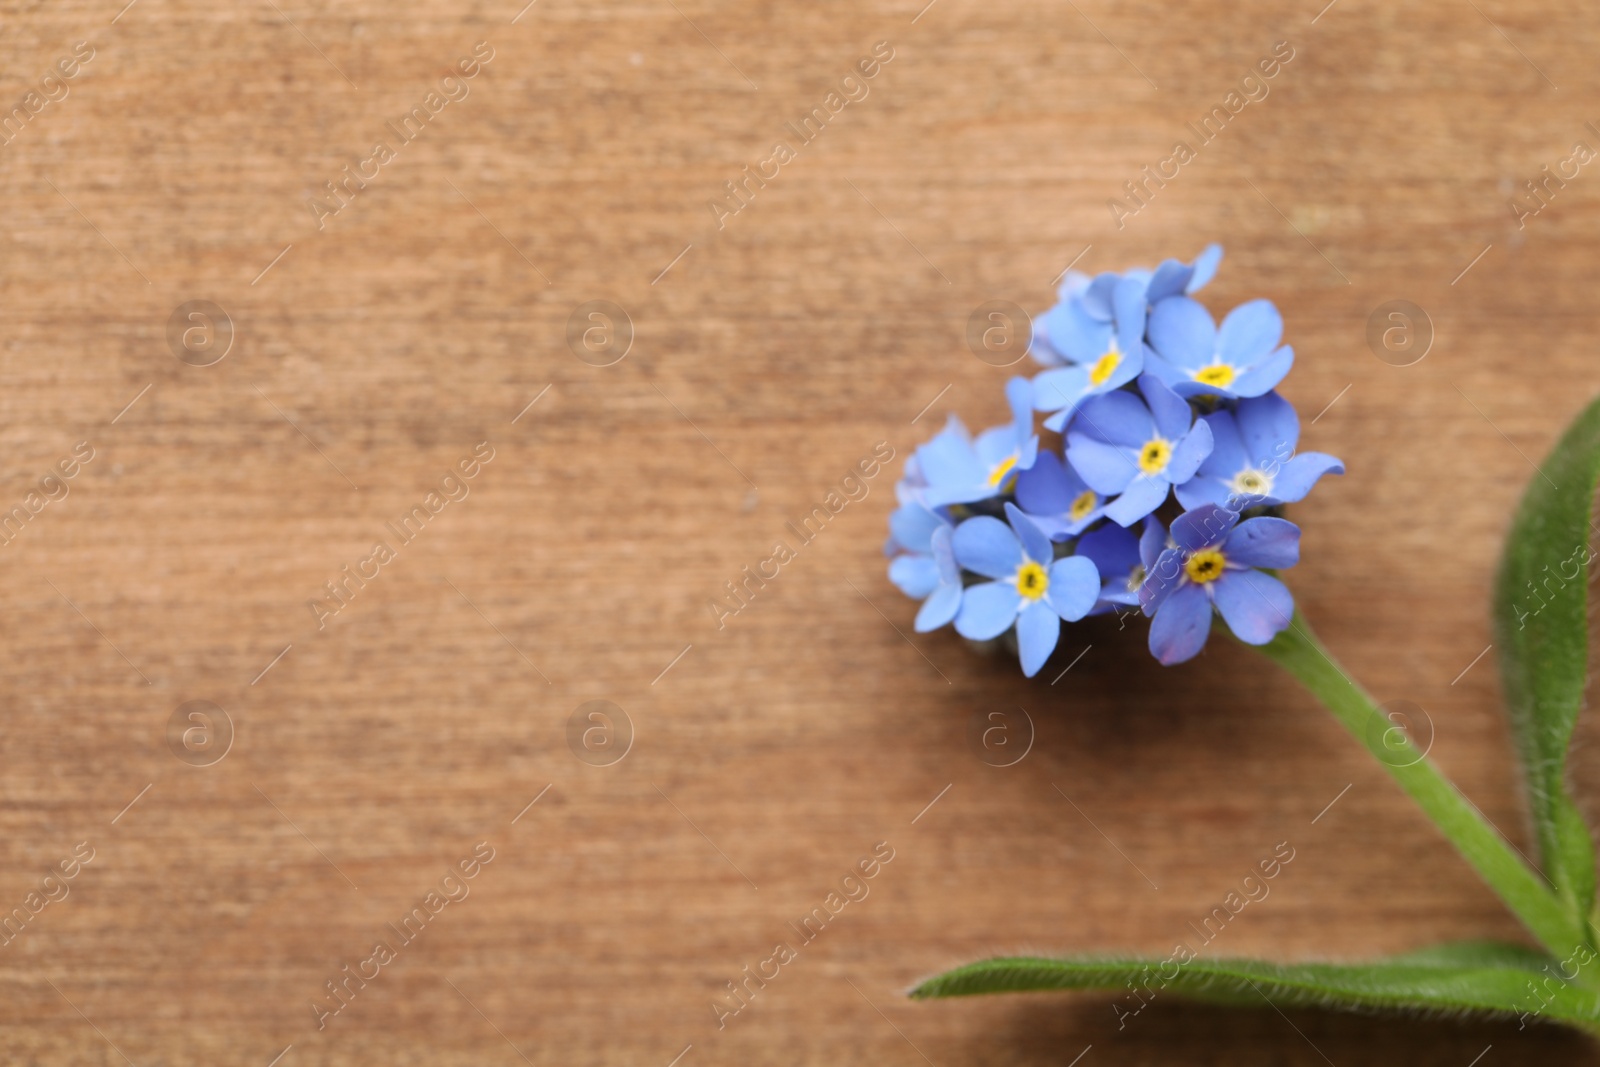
(1074, 587)
(939, 609)
(1202, 527)
(1182, 333)
(1170, 411)
(1263, 376)
(1038, 630)
(1250, 331)
(1142, 496)
(987, 610)
(1256, 606)
(1162, 579)
(1181, 625)
(1268, 428)
(1035, 544)
(1295, 479)
(1263, 542)
(987, 546)
(916, 576)
(1105, 468)
(1188, 454)
(1151, 541)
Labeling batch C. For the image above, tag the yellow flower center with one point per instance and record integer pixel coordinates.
(1084, 504)
(1154, 455)
(1105, 366)
(1205, 566)
(1001, 470)
(1136, 578)
(1032, 580)
(1252, 483)
(1218, 374)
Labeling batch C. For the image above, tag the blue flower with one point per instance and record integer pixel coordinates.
(1058, 501)
(957, 470)
(1121, 445)
(1123, 559)
(1195, 357)
(1212, 563)
(933, 578)
(1253, 460)
(1030, 588)
(1174, 278)
(1097, 332)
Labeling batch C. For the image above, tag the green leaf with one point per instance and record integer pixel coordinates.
(1476, 977)
(1541, 630)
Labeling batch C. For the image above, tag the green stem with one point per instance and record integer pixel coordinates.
(1299, 652)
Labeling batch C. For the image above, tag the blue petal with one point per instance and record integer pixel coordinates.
(1201, 490)
(944, 557)
(1181, 626)
(1250, 331)
(1096, 299)
(1168, 374)
(1019, 394)
(1170, 411)
(1182, 333)
(1255, 606)
(994, 445)
(987, 610)
(1263, 542)
(986, 546)
(1168, 280)
(1074, 587)
(917, 576)
(948, 458)
(1298, 475)
(912, 525)
(1205, 268)
(1268, 428)
(1264, 375)
(1105, 468)
(1128, 302)
(1118, 419)
(1112, 549)
(1038, 630)
(1059, 387)
(939, 608)
(1189, 454)
(1202, 527)
(1035, 545)
(1228, 456)
(1142, 496)
(1151, 541)
(1046, 488)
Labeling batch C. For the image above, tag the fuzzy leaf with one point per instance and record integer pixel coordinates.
(1541, 631)
(1466, 977)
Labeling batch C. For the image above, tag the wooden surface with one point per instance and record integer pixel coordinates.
(769, 357)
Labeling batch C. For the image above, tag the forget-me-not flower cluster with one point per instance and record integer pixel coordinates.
(1161, 491)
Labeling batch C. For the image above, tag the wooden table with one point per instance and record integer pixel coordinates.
(439, 298)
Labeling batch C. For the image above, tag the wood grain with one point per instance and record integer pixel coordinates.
(772, 349)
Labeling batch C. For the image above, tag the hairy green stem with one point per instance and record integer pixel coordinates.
(1522, 889)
